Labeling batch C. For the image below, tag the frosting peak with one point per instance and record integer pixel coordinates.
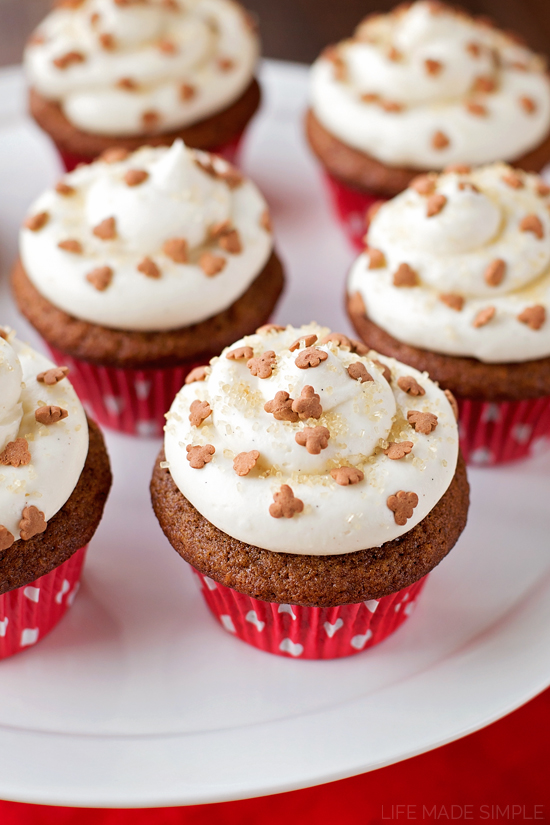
(302, 438)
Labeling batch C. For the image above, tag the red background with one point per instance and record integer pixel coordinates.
(506, 764)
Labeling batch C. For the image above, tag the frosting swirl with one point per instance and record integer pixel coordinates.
(427, 86)
(295, 442)
(142, 66)
(159, 240)
(478, 247)
(42, 452)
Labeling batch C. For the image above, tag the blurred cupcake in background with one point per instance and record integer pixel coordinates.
(139, 267)
(419, 89)
(455, 281)
(54, 481)
(312, 486)
(125, 73)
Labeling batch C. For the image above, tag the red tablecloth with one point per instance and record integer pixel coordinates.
(499, 774)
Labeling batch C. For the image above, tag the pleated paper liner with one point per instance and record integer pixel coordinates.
(129, 401)
(309, 632)
(351, 207)
(496, 433)
(29, 613)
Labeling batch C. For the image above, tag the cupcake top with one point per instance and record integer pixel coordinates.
(131, 67)
(460, 264)
(427, 85)
(43, 440)
(301, 441)
(154, 240)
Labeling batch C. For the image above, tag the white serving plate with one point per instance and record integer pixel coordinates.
(139, 698)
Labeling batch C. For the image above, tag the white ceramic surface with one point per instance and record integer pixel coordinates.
(139, 698)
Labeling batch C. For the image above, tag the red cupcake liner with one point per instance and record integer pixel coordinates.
(495, 433)
(351, 206)
(309, 632)
(28, 613)
(229, 151)
(130, 401)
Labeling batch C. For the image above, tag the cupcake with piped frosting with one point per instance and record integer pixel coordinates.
(455, 280)
(139, 267)
(54, 481)
(126, 73)
(310, 481)
(419, 89)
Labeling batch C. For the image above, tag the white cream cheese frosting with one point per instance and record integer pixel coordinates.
(292, 458)
(162, 239)
(42, 454)
(132, 67)
(478, 244)
(427, 86)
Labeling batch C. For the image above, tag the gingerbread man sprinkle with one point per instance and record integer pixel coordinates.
(314, 439)
(263, 366)
(199, 456)
(281, 407)
(199, 412)
(245, 462)
(308, 405)
(345, 476)
(285, 504)
(422, 422)
(402, 506)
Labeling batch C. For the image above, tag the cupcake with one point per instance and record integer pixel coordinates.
(135, 271)
(54, 481)
(421, 88)
(312, 486)
(126, 73)
(456, 281)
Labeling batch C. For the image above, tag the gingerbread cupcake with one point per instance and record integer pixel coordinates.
(419, 89)
(54, 481)
(132, 72)
(138, 267)
(456, 281)
(312, 486)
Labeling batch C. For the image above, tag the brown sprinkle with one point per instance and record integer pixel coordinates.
(53, 376)
(386, 372)
(422, 422)
(452, 300)
(310, 357)
(265, 221)
(433, 67)
(339, 339)
(176, 250)
(410, 385)
(245, 462)
(50, 415)
(402, 506)
(285, 504)
(528, 105)
(357, 305)
(452, 401)
(345, 476)
(377, 259)
(477, 109)
(358, 372)
(149, 268)
(114, 154)
(534, 316)
(281, 407)
(513, 180)
(150, 119)
(543, 189)
(167, 47)
(196, 374)
(262, 367)
(107, 42)
(240, 354)
(308, 404)
(393, 54)
(435, 204)
(32, 522)
(484, 85)
(306, 340)
(64, 189)
(391, 106)
(187, 91)
(199, 456)
(270, 328)
(458, 169)
(423, 184)
(474, 49)
(232, 177)
(211, 264)
(231, 242)
(225, 64)
(440, 140)
(64, 61)
(134, 177)
(467, 185)
(37, 222)
(16, 454)
(71, 245)
(405, 276)
(483, 317)
(397, 450)
(494, 274)
(532, 223)
(6, 538)
(100, 278)
(314, 439)
(199, 412)
(106, 230)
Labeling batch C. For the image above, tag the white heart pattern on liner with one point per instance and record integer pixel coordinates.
(210, 583)
(287, 608)
(371, 605)
(252, 617)
(491, 413)
(4, 626)
(331, 629)
(409, 608)
(359, 642)
(227, 622)
(29, 636)
(114, 404)
(143, 388)
(522, 433)
(32, 593)
(294, 648)
(65, 587)
(72, 595)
